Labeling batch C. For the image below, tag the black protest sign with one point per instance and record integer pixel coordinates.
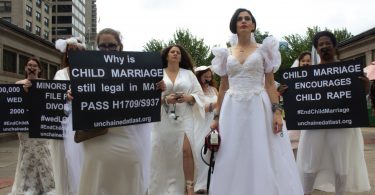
(114, 88)
(325, 96)
(14, 112)
(47, 99)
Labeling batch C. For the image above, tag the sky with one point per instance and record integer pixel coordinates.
(139, 21)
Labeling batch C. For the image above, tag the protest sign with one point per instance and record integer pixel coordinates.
(325, 96)
(114, 88)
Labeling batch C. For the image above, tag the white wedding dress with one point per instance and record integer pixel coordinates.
(167, 174)
(251, 159)
(59, 162)
(203, 128)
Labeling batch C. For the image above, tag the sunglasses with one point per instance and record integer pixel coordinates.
(246, 18)
(107, 47)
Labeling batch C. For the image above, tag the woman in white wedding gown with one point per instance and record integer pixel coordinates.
(255, 156)
(173, 160)
(204, 76)
(34, 168)
(67, 164)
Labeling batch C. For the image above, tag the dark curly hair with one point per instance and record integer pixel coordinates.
(186, 60)
(327, 34)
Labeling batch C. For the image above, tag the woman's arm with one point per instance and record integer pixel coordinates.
(224, 86)
(272, 93)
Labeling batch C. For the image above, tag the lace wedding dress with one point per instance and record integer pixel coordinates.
(251, 159)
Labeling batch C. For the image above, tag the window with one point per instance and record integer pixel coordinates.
(28, 26)
(37, 30)
(52, 71)
(64, 8)
(22, 60)
(44, 69)
(29, 10)
(5, 6)
(46, 35)
(62, 31)
(38, 16)
(38, 3)
(46, 21)
(46, 8)
(64, 19)
(9, 19)
(9, 61)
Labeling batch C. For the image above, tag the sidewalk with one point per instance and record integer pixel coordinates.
(8, 161)
(9, 152)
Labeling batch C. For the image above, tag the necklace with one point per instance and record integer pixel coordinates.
(245, 48)
(242, 50)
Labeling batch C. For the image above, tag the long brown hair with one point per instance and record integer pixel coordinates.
(186, 60)
(199, 74)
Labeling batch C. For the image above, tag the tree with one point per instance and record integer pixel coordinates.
(259, 36)
(198, 50)
(154, 45)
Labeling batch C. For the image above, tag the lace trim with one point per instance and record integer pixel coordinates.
(244, 94)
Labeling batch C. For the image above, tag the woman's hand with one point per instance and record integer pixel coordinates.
(185, 98)
(26, 83)
(170, 99)
(215, 124)
(69, 95)
(161, 85)
(282, 89)
(277, 122)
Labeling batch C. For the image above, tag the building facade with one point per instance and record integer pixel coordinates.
(17, 45)
(31, 15)
(53, 19)
(69, 19)
(30, 28)
(361, 46)
(91, 22)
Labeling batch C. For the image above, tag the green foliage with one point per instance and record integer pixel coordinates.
(154, 46)
(259, 36)
(199, 51)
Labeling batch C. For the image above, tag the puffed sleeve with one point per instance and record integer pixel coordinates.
(219, 63)
(271, 54)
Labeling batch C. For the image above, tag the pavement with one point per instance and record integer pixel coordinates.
(9, 153)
